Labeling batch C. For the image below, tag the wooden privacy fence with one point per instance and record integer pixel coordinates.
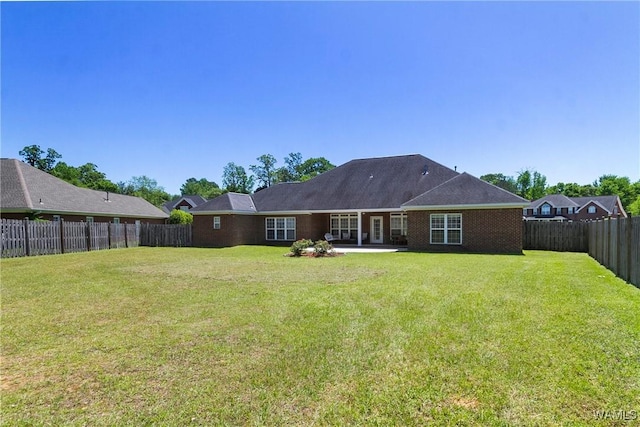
(615, 243)
(30, 238)
(166, 235)
(556, 236)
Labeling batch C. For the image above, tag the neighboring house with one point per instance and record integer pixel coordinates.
(557, 207)
(183, 203)
(30, 192)
(409, 200)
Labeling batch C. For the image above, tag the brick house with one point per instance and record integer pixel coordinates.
(30, 192)
(558, 207)
(402, 200)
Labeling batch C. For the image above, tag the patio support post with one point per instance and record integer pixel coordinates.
(359, 228)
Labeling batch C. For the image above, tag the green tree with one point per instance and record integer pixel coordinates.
(290, 172)
(201, 187)
(634, 207)
(33, 155)
(621, 186)
(314, 166)
(180, 217)
(265, 172)
(531, 184)
(236, 180)
(145, 187)
(500, 180)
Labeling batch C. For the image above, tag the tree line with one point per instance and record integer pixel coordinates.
(532, 185)
(234, 178)
(529, 184)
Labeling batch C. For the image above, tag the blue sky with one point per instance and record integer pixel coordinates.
(174, 90)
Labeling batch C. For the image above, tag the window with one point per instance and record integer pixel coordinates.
(570, 210)
(546, 209)
(184, 208)
(592, 209)
(398, 225)
(344, 223)
(89, 219)
(280, 228)
(558, 211)
(116, 220)
(56, 217)
(216, 223)
(446, 229)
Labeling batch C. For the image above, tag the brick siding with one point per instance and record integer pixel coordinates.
(483, 231)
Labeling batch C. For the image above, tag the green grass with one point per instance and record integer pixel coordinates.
(246, 336)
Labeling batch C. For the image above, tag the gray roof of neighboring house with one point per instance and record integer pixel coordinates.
(607, 202)
(27, 189)
(384, 183)
(562, 201)
(193, 200)
(465, 190)
(555, 200)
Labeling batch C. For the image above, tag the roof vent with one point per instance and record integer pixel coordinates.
(425, 170)
(371, 176)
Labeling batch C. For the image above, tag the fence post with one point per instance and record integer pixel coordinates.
(88, 228)
(27, 245)
(62, 250)
(629, 221)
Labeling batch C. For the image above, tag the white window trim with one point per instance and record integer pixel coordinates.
(446, 228)
(404, 228)
(216, 223)
(338, 231)
(276, 229)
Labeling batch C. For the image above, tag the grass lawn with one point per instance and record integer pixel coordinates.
(246, 336)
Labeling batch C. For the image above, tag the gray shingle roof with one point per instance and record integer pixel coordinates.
(562, 201)
(228, 202)
(27, 189)
(193, 200)
(465, 190)
(555, 200)
(384, 183)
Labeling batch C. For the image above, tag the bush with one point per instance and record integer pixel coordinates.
(180, 217)
(323, 248)
(300, 245)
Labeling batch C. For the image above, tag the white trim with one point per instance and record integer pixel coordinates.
(445, 229)
(309, 212)
(466, 207)
(371, 229)
(595, 202)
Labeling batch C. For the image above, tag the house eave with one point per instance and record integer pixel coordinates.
(465, 207)
(79, 213)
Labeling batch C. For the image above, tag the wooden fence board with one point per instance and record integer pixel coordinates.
(31, 238)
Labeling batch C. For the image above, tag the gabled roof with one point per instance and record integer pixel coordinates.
(555, 200)
(27, 189)
(608, 203)
(227, 203)
(465, 191)
(376, 184)
(193, 200)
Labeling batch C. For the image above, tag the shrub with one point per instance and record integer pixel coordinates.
(180, 217)
(323, 248)
(300, 245)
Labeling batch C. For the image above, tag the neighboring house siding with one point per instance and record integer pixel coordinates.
(483, 230)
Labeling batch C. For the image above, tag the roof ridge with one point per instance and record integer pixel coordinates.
(23, 184)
